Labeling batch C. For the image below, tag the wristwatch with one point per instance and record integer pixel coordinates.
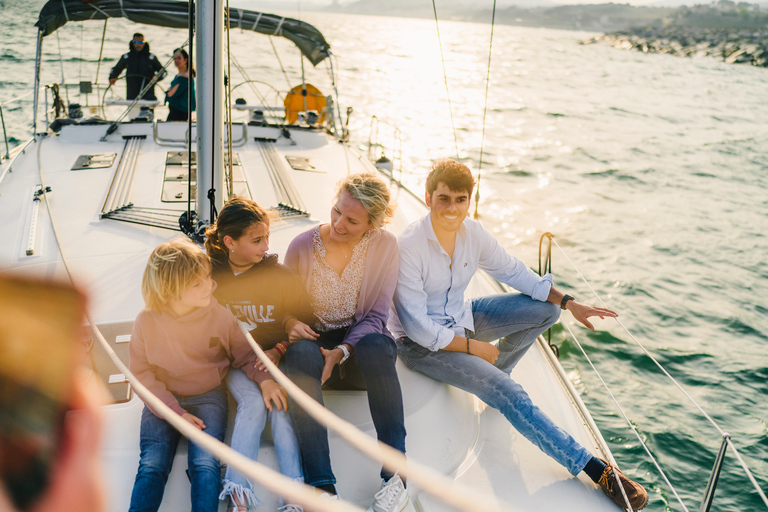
(346, 353)
(565, 300)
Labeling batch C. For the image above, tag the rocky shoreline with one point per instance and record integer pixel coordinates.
(743, 46)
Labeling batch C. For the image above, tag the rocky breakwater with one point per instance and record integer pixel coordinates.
(737, 46)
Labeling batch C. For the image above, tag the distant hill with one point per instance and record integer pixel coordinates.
(606, 17)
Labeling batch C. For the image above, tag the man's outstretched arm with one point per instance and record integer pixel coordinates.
(581, 312)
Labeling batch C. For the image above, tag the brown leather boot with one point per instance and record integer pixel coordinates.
(637, 495)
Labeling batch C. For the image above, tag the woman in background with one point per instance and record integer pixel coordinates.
(177, 95)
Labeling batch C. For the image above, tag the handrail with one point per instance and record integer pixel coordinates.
(179, 143)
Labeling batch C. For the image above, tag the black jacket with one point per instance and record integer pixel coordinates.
(264, 297)
(140, 68)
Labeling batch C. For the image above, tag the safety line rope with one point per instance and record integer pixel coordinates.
(679, 386)
(732, 445)
(626, 418)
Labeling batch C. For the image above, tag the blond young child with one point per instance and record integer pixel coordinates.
(182, 347)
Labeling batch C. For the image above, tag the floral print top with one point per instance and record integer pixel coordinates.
(334, 297)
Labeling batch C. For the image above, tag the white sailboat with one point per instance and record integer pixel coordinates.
(114, 191)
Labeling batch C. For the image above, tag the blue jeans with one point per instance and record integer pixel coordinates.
(250, 421)
(516, 321)
(372, 367)
(158, 441)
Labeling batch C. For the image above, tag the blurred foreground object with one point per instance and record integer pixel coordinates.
(49, 417)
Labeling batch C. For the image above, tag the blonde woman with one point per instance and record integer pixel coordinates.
(350, 268)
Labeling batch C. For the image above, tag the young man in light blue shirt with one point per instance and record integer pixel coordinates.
(447, 338)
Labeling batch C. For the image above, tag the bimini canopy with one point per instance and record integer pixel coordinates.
(165, 13)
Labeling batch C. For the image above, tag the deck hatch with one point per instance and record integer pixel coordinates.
(302, 163)
(97, 161)
(177, 176)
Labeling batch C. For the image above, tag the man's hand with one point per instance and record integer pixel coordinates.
(271, 391)
(273, 356)
(582, 312)
(297, 330)
(194, 420)
(483, 350)
(112, 81)
(332, 358)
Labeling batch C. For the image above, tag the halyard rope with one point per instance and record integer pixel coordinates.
(445, 78)
(485, 110)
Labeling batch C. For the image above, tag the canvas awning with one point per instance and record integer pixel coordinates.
(165, 13)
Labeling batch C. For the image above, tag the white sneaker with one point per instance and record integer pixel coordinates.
(392, 497)
(290, 508)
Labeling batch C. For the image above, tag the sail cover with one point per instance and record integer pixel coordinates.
(165, 13)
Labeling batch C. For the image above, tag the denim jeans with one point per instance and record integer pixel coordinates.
(250, 421)
(371, 367)
(515, 320)
(158, 441)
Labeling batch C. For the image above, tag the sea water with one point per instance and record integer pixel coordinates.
(650, 171)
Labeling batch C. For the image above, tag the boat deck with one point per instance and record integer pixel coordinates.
(448, 429)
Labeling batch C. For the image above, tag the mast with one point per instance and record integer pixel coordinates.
(209, 25)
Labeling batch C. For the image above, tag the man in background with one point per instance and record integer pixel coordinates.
(142, 68)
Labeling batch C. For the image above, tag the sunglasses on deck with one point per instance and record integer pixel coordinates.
(138, 42)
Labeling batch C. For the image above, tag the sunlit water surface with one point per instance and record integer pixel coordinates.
(650, 170)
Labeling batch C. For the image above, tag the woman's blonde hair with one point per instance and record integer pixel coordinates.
(171, 268)
(370, 190)
(235, 218)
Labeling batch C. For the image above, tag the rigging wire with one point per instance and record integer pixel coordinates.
(82, 44)
(279, 61)
(485, 110)
(731, 444)
(255, 90)
(61, 63)
(626, 418)
(445, 78)
(101, 51)
(674, 381)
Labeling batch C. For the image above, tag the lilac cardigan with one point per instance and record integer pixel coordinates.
(382, 264)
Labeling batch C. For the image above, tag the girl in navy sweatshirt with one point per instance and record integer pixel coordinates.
(271, 300)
